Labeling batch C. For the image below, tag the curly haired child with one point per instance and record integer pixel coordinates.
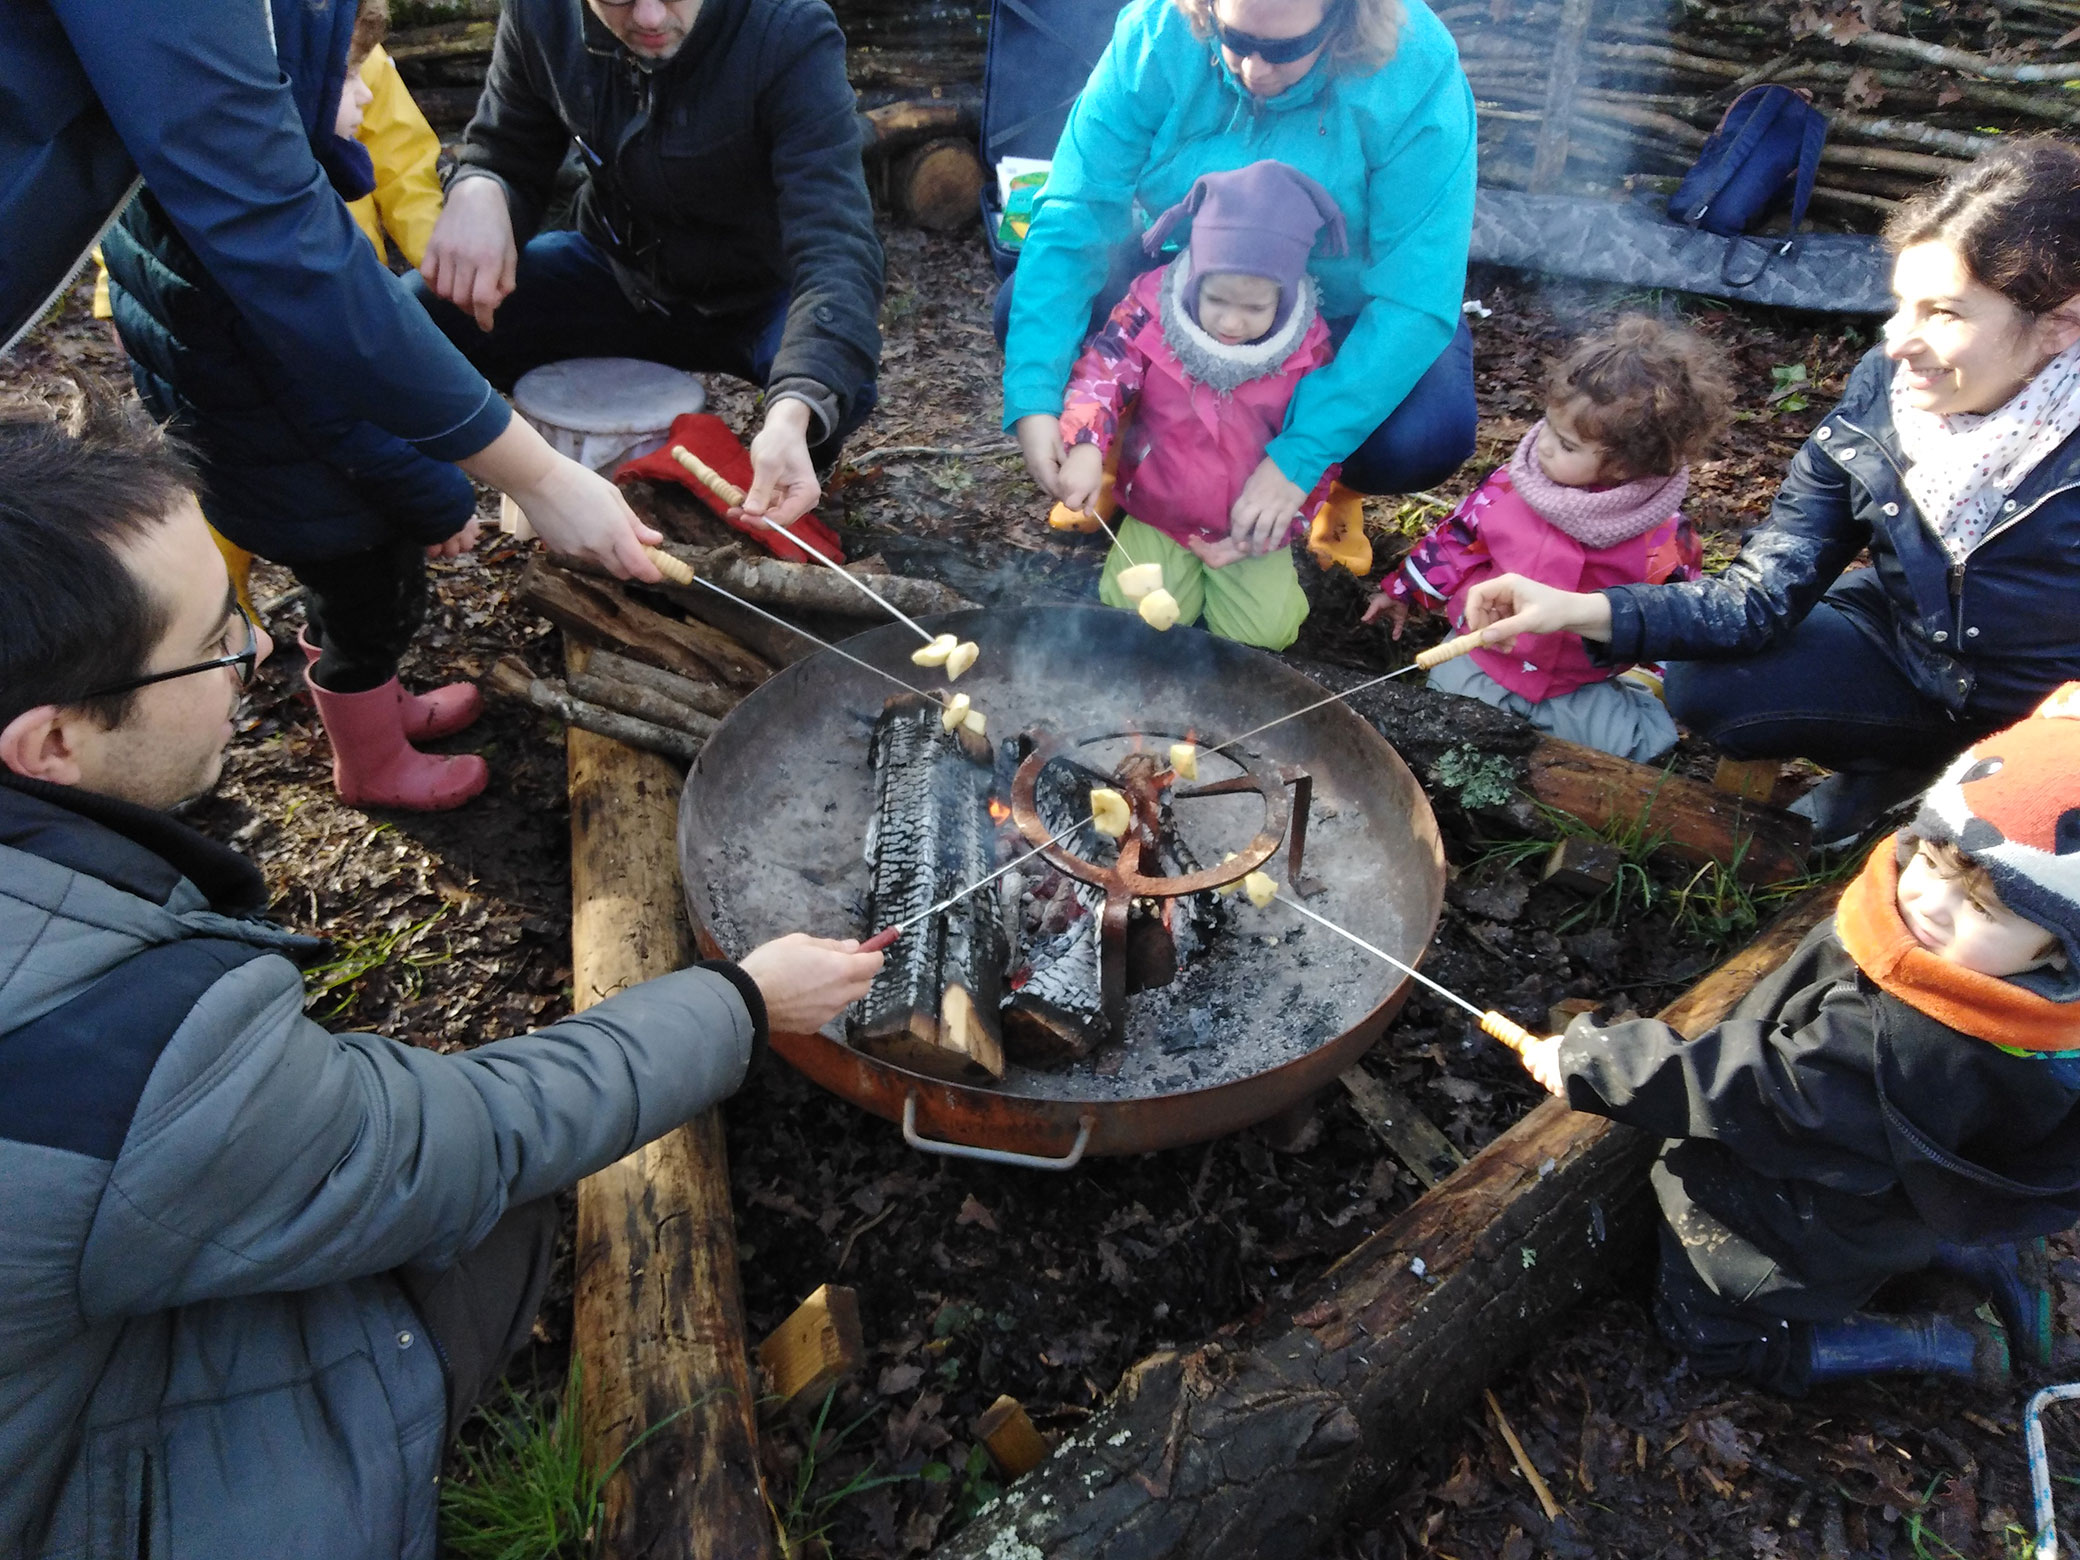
(1591, 498)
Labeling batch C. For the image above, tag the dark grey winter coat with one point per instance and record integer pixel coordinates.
(202, 1351)
(1986, 639)
(1826, 1135)
(720, 180)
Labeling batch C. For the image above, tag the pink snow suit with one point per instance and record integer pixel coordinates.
(1495, 531)
(1189, 446)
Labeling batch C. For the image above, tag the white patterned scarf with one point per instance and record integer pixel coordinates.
(1961, 466)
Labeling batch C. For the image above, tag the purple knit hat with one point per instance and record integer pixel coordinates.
(1260, 221)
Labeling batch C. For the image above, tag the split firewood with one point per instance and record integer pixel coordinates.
(933, 1007)
(1007, 1433)
(602, 612)
(512, 678)
(1585, 867)
(818, 1346)
(709, 698)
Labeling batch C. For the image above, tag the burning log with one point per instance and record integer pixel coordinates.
(933, 1008)
(1262, 1447)
(658, 1319)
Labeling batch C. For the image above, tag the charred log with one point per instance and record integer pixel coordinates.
(1056, 1013)
(933, 1008)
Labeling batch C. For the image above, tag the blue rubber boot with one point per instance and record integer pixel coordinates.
(2017, 1279)
(1927, 1343)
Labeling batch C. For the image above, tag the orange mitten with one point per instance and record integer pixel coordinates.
(708, 436)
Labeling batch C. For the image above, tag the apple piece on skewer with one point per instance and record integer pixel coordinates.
(955, 713)
(935, 653)
(1261, 888)
(1184, 760)
(961, 658)
(1159, 609)
(1110, 814)
(1139, 579)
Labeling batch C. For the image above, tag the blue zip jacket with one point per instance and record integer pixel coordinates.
(1986, 639)
(189, 95)
(285, 476)
(1395, 148)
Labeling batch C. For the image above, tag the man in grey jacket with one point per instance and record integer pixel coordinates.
(254, 1270)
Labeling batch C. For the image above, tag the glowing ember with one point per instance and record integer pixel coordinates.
(998, 812)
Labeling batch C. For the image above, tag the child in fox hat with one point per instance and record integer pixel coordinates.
(1903, 1094)
(1191, 377)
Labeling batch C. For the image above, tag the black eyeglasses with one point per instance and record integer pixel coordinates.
(1279, 51)
(245, 660)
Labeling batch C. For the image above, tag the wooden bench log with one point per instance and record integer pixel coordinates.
(659, 1315)
(1263, 1446)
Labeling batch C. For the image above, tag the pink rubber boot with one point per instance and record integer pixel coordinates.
(374, 766)
(438, 712)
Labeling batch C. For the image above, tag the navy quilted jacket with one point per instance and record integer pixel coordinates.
(1987, 638)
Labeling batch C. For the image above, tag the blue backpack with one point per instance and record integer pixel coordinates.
(1771, 136)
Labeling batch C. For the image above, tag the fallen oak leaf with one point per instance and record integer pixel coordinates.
(973, 1212)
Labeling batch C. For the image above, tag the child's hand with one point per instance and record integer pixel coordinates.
(1217, 552)
(1082, 474)
(1265, 509)
(1392, 608)
(1541, 1059)
(1040, 441)
(464, 540)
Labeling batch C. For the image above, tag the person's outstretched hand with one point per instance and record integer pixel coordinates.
(808, 981)
(1040, 440)
(1392, 608)
(1541, 1059)
(1265, 508)
(783, 479)
(464, 540)
(1510, 604)
(471, 259)
(573, 510)
(1081, 476)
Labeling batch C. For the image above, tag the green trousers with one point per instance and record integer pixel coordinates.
(1253, 601)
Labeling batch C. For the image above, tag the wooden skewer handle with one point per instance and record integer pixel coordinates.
(677, 570)
(708, 477)
(1450, 650)
(1507, 1030)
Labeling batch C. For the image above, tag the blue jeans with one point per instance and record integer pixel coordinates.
(566, 303)
(1830, 693)
(1424, 439)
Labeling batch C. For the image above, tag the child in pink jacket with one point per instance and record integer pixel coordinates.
(1192, 375)
(1592, 498)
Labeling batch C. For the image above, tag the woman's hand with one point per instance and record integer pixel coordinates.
(1265, 508)
(783, 479)
(464, 540)
(1040, 439)
(1081, 475)
(1392, 608)
(808, 981)
(573, 510)
(1509, 605)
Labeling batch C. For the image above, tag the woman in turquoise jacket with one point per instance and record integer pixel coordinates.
(1367, 97)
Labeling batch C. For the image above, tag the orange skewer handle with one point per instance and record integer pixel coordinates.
(1450, 650)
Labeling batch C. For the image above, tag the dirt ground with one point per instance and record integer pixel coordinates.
(974, 1281)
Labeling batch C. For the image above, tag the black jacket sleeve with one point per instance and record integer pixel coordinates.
(807, 113)
(517, 136)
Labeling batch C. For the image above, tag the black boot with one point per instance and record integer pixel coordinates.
(1845, 806)
(2018, 1281)
(1926, 1343)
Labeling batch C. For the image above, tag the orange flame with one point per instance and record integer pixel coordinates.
(998, 812)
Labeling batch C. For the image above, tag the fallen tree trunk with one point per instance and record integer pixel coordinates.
(658, 1324)
(1262, 1447)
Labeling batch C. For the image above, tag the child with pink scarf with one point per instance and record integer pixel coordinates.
(1592, 498)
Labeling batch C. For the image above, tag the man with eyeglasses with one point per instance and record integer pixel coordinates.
(723, 223)
(255, 1272)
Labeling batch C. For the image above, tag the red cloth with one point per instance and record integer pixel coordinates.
(708, 437)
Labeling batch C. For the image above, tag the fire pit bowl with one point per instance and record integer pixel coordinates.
(775, 813)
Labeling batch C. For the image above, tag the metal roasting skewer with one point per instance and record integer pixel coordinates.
(733, 495)
(1426, 660)
(1507, 1030)
(889, 934)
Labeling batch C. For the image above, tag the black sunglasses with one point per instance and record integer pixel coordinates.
(245, 660)
(1279, 51)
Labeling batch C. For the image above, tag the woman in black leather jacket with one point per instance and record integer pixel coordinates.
(1953, 458)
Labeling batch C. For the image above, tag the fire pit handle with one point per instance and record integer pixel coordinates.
(995, 1156)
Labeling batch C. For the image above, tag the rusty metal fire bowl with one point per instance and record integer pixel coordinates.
(775, 813)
